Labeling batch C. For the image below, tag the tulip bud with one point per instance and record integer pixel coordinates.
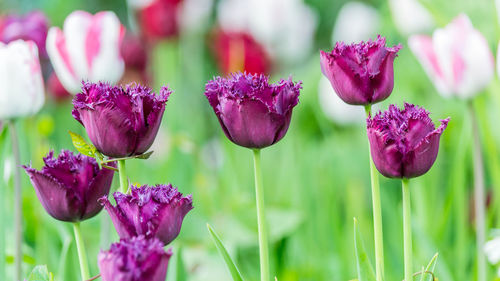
(159, 19)
(32, 26)
(456, 58)
(404, 143)
(70, 185)
(88, 48)
(362, 73)
(120, 122)
(152, 211)
(252, 112)
(21, 82)
(137, 259)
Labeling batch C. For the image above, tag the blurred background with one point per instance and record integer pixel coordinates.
(316, 179)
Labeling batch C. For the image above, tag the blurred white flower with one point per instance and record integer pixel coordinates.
(410, 16)
(88, 48)
(284, 27)
(457, 58)
(194, 14)
(21, 82)
(492, 251)
(356, 22)
(212, 154)
(336, 109)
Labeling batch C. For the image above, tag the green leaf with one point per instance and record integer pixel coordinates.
(40, 273)
(144, 155)
(81, 145)
(235, 273)
(365, 269)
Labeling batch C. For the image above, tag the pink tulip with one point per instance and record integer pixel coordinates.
(88, 48)
(456, 58)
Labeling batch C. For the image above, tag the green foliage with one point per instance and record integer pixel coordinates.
(235, 273)
(365, 269)
(40, 273)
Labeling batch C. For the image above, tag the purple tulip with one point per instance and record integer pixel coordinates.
(362, 73)
(152, 211)
(137, 259)
(404, 142)
(120, 121)
(70, 185)
(252, 112)
(32, 26)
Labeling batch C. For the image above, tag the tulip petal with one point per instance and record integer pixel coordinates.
(123, 227)
(99, 187)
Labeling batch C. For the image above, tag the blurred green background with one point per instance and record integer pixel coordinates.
(316, 179)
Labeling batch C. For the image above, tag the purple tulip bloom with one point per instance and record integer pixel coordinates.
(152, 211)
(252, 112)
(120, 121)
(70, 185)
(404, 142)
(32, 26)
(137, 259)
(362, 73)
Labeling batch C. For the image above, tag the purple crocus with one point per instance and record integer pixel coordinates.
(252, 112)
(70, 185)
(136, 259)
(152, 211)
(361, 73)
(32, 26)
(404, 142)
(119, 121)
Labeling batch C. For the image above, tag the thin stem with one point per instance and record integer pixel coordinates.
(479, 198)
(82, 254)
(261, 218)
(123, 176)
(407, 230)
(18, 207)
(377, 214)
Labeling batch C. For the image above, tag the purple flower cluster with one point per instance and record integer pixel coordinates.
(135, 259)
(152, 211)
(70, 185)
(252, 112)
(361, 73)
(120, 121)
(404, 142)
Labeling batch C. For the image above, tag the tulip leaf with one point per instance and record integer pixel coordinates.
(144, 155)
(235, 273)
(81, 145)
(365, 269)
(40, 273)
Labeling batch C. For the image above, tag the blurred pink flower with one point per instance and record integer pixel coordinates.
(456, 58)
(32, 26)
(160, 19)
(88, 48)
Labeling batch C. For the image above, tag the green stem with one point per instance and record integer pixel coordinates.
(261, 218)
(377, 214)
(479, 197)
(18, 209)
(407, 231)
(82, 254)
(123, 176)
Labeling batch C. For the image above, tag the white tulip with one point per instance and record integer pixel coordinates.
(356, 22)
(21, 82)
(456, 58)
(88, 48)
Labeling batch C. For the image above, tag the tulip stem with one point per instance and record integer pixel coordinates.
(407, 230)
(261, 218)
(123, 176)
(18, 209)
(377, 213)
(479, 196)
(82, 254)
